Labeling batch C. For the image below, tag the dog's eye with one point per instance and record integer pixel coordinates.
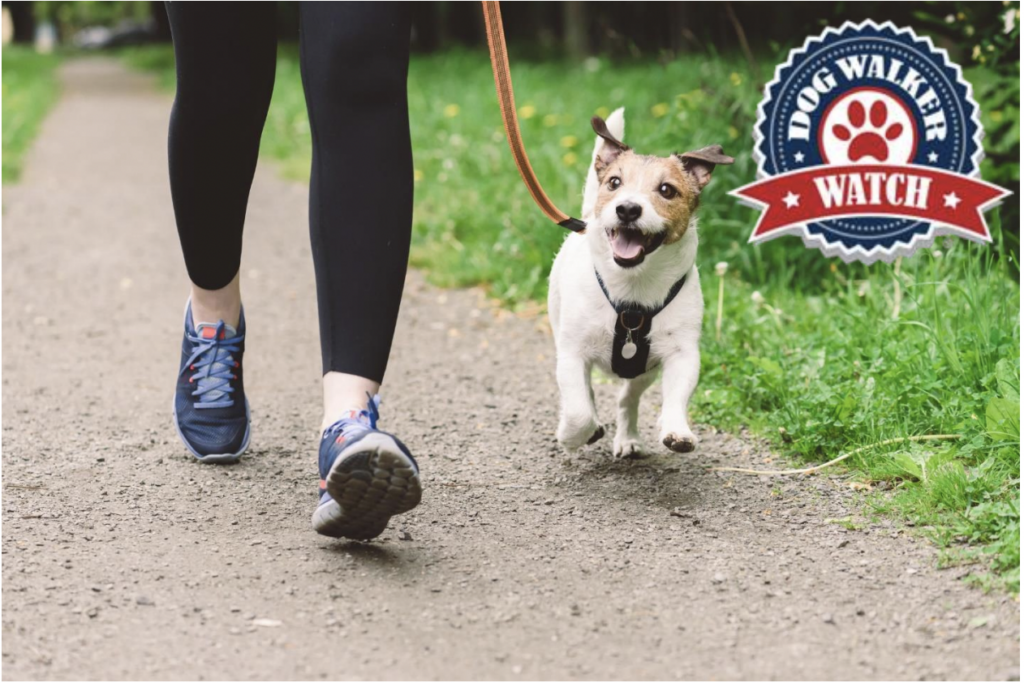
(667, 191)
(614, 182)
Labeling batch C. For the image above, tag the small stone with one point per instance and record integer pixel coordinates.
(829, 619)
(144, 601)
(718, 578)
(93, 612)
(404, 536)
(266, 623)
(978, 622)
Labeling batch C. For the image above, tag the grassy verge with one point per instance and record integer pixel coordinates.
(867, 355)
(29, 89)
(819, 356)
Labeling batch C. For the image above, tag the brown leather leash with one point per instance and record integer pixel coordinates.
(506, 100)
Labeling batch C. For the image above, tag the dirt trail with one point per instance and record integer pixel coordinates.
(123, 558)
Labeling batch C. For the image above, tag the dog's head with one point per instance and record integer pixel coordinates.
(644, 202)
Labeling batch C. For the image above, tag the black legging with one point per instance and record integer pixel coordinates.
(355, 59)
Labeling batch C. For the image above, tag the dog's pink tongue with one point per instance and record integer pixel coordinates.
(628, 244)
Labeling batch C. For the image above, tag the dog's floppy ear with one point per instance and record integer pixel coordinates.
(611, 148)
(701, 162)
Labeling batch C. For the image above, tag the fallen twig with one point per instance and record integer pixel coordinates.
(809, 470)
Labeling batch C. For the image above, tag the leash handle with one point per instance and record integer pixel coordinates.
(506, 100)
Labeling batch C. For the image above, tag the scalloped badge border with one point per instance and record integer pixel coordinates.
(879, 252)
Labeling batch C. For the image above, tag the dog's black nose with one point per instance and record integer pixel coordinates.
(628, 212)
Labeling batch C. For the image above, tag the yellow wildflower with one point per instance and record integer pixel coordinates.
(451, 111)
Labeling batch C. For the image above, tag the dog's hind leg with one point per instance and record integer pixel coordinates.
(578, 424)
(678, 382)
(627, 434)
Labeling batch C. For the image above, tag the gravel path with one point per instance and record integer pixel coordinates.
(123, 558)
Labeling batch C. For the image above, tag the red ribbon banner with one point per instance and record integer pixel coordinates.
(825, 192)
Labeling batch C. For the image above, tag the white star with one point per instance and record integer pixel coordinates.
(791, 200)
(950, 200)
(798, 157)
(932, 157)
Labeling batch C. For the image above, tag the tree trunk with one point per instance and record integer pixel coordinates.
(574, 19)
(24, 18)
(161, 23)
(426, 22)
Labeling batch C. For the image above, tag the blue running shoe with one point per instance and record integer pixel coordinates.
(366, 477)
(211, 412)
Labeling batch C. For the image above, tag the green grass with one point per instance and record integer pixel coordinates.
(814, 354)
(29, 89)
(825, 367)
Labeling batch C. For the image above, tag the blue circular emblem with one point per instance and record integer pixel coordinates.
(876, 102)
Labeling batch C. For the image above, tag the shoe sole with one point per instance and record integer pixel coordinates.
(369, 486)
(216, 458)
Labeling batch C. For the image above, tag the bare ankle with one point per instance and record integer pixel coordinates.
(213, 305)
(344, 393)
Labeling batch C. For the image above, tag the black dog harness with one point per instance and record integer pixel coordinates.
(631, 348)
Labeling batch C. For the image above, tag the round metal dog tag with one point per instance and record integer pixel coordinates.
(628, 350)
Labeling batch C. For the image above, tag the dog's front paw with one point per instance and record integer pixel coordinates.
(573, 434)
(629, 447)
(680, 441)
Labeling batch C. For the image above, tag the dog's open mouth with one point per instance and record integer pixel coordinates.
(630, 245)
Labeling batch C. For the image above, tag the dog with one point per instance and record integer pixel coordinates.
(625, 294)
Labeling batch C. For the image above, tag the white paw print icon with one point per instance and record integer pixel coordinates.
(867, 126)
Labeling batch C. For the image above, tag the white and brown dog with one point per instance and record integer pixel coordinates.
(625, 295)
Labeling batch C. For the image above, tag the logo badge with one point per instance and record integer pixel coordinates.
(868, 147)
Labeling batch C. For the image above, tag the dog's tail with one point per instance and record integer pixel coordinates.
(617, 127)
